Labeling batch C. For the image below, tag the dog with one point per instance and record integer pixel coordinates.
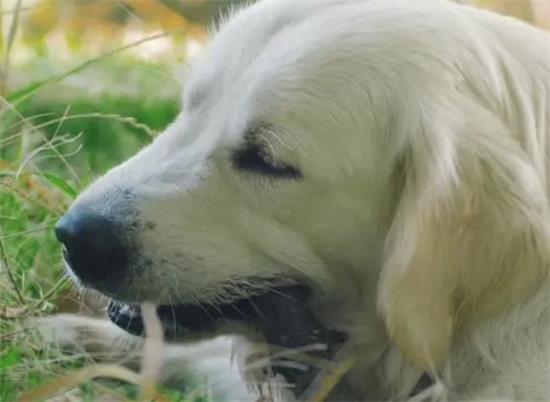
(389, 157)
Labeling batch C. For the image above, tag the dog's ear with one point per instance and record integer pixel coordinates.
(469, 235)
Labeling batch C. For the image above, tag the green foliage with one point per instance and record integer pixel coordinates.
(104, 141)
(51, 145)
(63, 185)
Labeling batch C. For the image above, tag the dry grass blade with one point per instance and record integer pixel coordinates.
(146, 380)
(24, 93)
(131, 121)
(5, 264)
(9, 44)
(48, 142)
(16, 332)
(77, 377)
(61, 283)
(327, 380)
(9, 312)
(152, 352)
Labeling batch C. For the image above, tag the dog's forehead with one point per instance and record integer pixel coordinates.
(232, 79)
(243, 36)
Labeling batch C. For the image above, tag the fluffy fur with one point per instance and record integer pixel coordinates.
(420, 220)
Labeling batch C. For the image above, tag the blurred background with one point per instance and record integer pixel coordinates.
(83, 85)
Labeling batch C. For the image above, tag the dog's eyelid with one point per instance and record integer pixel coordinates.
(256, 130)
(254, 158)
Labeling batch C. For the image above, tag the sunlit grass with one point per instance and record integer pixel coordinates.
(51, 147)
(58, 130)
(63, 123)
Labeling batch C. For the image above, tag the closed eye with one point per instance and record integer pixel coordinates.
(255, 159)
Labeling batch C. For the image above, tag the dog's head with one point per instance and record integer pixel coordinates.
(321, 144)
(271, 176)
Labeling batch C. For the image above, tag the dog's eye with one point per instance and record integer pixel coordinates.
(254, 159)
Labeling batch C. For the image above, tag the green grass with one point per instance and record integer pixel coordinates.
(51, 146)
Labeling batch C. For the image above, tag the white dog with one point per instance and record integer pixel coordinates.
(391, 157)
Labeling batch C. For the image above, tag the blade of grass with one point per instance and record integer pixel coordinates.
(25, 92)
(60, 184)
(77, 377)
(29, 231)
(9, 45)
(25, 196)
(50, 143)
(131, 121)
(19, 122)
(33, 128)
(151, 365)
(329, 382)
(16, 332)
(57, 287)
(4, 262)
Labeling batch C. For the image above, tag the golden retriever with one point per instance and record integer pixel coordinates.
(391, 157)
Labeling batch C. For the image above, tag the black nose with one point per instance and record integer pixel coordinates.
(92, 247)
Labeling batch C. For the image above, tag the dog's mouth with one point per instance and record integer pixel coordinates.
(282, 315)
(181, 320)
(238, 305)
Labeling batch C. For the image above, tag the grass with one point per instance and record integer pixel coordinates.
(52, 144)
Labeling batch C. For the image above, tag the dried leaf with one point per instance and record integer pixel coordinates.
(77, 377)
(8, 312)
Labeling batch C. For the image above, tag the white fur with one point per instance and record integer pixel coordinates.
(421, 221)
